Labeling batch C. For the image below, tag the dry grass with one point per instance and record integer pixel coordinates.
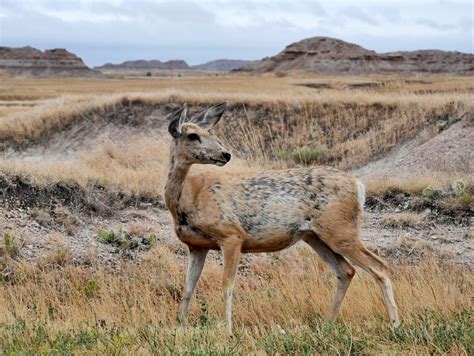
(14, 88)
(278, 301)
(416, 184)
(136, 168)
(404, 219)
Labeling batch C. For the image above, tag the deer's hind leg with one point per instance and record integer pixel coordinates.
(345, 241)
(341, 267)
(378, 268)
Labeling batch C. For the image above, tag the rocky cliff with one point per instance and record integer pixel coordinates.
(332, 56)
(29, 61)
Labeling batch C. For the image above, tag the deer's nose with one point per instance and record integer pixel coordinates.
(226, 156)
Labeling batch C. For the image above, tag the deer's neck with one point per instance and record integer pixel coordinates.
(177, 172)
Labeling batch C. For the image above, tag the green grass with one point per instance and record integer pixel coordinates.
(128, 240)
(10, 246)
(429, 333)
(305, 155)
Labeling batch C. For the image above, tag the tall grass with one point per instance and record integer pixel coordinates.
(280, 306)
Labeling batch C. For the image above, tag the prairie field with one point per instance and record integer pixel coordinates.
(89, 262)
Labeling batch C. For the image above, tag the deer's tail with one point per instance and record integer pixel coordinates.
(361, 194)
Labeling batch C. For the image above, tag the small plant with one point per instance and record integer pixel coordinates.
(91, 288)
(148, 74)
(132, 238)
(107, 236)
(459, 188)
(440, 126)
(465, 199)
(41, 216)
(11, 246)
(430, 192)
(66, 219)
(59, 257)
(305, 155)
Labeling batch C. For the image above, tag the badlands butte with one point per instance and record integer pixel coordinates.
(318, 55)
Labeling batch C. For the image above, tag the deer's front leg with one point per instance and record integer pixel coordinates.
(197, 257)
(231, 248)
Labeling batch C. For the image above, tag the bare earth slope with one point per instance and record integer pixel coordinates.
(326, 55)
(450, 151)
(29, 61)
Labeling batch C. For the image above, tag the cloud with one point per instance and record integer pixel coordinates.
(115, 30)
(435, 25)
(357, 13)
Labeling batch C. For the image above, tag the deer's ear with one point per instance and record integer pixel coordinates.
(210, 117)
(176, 120)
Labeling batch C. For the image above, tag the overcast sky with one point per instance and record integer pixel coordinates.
(197, 31)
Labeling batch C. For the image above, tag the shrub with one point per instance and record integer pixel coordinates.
(131, 239)
(430, 192)
(11, 246)
(91, 288)
(440, 126)
(305, 155)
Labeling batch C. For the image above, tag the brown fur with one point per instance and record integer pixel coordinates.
(266, 212)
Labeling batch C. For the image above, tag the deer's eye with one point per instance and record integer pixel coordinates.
(194, 137)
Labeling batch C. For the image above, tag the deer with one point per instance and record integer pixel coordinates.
(263, 212)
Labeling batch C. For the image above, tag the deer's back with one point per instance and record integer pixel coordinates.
(269, 206)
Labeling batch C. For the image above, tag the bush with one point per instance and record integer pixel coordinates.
(430, 192)
(11, 246)
(305, 155)
(131, 239)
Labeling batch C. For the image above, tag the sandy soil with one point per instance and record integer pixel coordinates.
(451, 150)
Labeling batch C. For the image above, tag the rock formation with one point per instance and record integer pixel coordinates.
(29, 61)
(222, 65)
(332, 56)
(142, 64)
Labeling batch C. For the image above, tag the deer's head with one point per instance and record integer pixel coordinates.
(192, 140)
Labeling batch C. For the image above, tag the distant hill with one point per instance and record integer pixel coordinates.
(326, 55)
(222, 65)
(29, 61)
(142, 64)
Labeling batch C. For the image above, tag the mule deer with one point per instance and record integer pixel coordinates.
(265, 212)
